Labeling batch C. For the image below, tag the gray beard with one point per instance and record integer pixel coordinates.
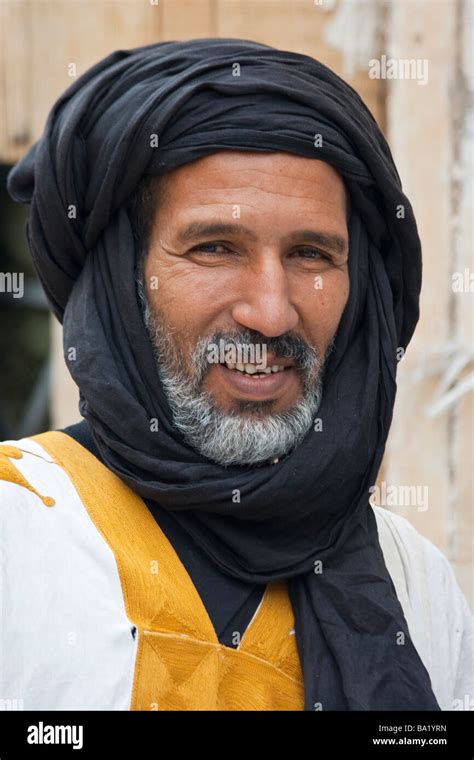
(230, 438)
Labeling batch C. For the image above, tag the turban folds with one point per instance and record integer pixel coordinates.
(314, 505)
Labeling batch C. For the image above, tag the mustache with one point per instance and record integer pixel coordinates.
(287, 346)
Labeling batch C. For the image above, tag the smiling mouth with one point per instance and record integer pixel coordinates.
(260, 385)
(254, 370)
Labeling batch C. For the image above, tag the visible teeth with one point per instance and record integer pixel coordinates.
(251, 369)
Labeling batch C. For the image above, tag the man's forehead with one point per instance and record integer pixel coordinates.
(217, 166)
(249, 173)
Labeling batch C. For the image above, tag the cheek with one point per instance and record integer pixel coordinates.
(185, 300)
(324, 305)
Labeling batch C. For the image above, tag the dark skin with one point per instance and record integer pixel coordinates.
(260, 273)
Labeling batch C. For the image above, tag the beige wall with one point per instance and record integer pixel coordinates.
(431, 442)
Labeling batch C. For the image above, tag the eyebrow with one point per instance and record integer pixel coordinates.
(330, 241)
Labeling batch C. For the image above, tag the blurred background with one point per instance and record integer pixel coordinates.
(424, 104)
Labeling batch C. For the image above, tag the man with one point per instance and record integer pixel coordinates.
(221, 230)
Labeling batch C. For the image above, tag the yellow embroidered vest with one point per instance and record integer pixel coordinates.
(180, 664)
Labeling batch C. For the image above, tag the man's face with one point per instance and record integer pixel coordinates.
(252, 246)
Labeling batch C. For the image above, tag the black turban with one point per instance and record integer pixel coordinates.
(314, 504)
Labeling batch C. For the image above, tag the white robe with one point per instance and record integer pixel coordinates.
(65, 639)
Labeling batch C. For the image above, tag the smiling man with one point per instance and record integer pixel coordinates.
(236, 269)
(226, 283)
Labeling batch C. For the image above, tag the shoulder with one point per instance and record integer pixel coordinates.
(57, 570)
(39, 501)
(414, 552)
(38, 494)
(47, 528)
(27, 472)
(437, 612)
(46, 464)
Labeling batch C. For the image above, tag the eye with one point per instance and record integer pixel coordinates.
(211, 249)
(312, 254)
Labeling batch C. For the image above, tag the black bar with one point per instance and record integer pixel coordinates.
(314, 734)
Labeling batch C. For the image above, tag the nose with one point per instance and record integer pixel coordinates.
(265, 303)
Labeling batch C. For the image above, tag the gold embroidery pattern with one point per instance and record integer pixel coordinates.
(180, 664)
